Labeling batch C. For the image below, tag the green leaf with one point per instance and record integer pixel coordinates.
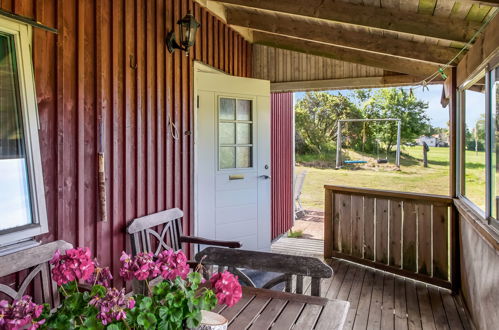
(114, 326)
(194, 319)
(164, 313)
(98, 290)
(147, 320)
(145, 304)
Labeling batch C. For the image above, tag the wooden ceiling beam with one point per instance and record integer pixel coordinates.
(457, 30)
(336, 34)
(386, 62)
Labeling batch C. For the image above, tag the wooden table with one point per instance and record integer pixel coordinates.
(264, 309)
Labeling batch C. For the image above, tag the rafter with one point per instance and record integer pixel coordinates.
(336, 34)
(457, 30)
(386, 62)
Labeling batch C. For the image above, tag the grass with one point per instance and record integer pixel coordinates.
(295, 234)
(412, 176)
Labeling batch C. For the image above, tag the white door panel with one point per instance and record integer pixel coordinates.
(232, 159)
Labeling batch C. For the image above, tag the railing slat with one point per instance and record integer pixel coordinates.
(382, 231)
(441, 242)
(395, 233)
(369, 228)
(336, 222)
(345, 215)
(409, 237)
(424, 238)
(357, 225)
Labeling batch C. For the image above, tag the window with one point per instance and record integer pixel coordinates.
(235, 133)
(22, 199)
(474, 155)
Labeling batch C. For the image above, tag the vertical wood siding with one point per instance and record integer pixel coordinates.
(282, 149)
(106, 83)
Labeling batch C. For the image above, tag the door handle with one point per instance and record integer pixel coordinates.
(266, 177)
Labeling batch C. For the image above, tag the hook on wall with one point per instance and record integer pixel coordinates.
(133, 62)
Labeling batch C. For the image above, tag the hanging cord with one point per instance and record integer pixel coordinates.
(423, 83)
(173, 128)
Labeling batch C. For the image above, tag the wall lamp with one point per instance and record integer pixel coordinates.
(188, 27)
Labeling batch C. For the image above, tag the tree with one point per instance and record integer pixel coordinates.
(316, 119)
(396, 103)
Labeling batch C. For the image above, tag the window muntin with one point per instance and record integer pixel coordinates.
(474, 154)
(21, 178)
(235, 133)
(15, 199)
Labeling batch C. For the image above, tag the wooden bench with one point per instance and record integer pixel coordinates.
(36, 261)
(288, 266)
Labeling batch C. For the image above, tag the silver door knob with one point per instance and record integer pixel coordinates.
(266, 177)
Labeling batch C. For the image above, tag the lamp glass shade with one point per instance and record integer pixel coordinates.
(188, 28)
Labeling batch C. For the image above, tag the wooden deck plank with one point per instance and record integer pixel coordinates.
(387, 317)
(354, 296)
(400, 305)
(346, 286)
(413, 315)
(338, 277)
(333, 316)
(374, 321)
(437, 307)
(451, 311)
(427, 320)
(362, 313)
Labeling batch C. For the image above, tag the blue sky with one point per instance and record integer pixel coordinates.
(438, 115)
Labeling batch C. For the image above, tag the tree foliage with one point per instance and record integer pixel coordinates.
(318, 112)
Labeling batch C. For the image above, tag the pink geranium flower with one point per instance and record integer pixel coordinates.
(113, 306)
(22, 313)
(227, 288)
(142, 266)
(101, 276)
(172, 264)
(76, 264)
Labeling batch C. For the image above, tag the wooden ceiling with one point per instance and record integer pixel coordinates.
(413, 37)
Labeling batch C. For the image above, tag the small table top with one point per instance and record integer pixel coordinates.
(261, 309)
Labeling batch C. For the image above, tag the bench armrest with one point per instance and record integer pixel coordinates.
(201, 240)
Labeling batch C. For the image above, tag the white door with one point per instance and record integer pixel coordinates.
(232, 159)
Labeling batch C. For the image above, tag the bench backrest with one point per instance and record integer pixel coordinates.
(142, 230)
(35, 260)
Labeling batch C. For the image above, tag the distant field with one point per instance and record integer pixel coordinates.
(412, 177)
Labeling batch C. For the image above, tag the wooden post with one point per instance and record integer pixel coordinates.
(328, 223)
(425, 154)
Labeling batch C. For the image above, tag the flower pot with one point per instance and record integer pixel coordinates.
(212, 321)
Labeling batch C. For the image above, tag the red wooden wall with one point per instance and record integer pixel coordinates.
(282, 153)
(108, 72)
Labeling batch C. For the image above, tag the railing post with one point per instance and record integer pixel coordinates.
(328, 223)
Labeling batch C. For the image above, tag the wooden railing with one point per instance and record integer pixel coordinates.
(404, 233)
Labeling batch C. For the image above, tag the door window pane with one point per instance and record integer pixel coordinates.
(474, 136)
(227, 109)
(227, 133)
(243, 157)
(227, 157)
(15, 200)
(244, 133)
(243, 110)
(235, 133)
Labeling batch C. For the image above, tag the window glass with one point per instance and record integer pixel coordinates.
(235, 133)
(474, 185)
(495, 149)
(15, 201)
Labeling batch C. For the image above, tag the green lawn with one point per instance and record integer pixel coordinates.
(412, 176)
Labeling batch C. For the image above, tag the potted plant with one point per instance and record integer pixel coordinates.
(89, 301)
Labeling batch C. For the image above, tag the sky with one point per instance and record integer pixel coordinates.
(438, 115)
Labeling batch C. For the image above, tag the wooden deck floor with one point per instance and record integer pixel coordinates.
(381, 300)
